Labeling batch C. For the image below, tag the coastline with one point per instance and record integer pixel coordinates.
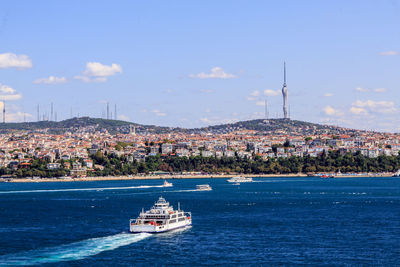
(208, 176)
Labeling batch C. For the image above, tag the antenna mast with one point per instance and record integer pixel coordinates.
(4, 111)
(108, 111)
(266, 109)
(51, 112)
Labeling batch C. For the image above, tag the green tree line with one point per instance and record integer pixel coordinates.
(113, 165)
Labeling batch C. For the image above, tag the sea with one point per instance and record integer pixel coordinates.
(270, 222)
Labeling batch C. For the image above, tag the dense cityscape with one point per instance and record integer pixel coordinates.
(93, 150)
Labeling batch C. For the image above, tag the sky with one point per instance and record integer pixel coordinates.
(198, 63)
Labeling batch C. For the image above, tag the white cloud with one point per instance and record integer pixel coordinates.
(389, 53)
(14, 114)
(330, 111)
(380, 90)
(253, 95)
(206, 91)
(8, 94)
(358, 111)
(216, 73)
(17, 116)
(123, 117)
(97, 72)
(50, 80)
(5, 89)
(87, 79)
(10, 60)
(205, 120)
(328, 94)
(11, 97)
(97, 69)
(159, 113)
(363, 90)
(270, 92)
(376, 106)
(260, 103)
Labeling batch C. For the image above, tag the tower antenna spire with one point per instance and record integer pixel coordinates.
(4, 111)
(284, 74)
(284, 93)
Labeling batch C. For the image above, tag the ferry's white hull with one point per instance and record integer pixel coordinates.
(149, 228)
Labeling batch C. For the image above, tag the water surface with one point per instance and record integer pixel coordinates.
(273, 221)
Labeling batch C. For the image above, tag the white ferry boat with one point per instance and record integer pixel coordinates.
(160, 218)
(240, 179)
(166, 184)
(203, 187)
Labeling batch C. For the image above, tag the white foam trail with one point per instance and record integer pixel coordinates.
(176, 231)
(79, 189)
(73, 251)
(188, 190)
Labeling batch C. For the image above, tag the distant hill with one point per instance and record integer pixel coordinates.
(280, 125)
(272, 126)
(112, 126)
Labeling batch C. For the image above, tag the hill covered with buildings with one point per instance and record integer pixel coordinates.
(96, 147)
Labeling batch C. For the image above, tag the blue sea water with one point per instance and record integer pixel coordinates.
(273, 221)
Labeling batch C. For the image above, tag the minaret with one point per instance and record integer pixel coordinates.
(284, 93)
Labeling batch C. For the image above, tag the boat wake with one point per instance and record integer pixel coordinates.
(183, 190)
(73, 251)
(80, 189)
(175, 231)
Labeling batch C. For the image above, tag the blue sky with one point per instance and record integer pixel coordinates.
(196, 63)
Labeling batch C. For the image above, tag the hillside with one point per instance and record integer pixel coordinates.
(112, 126)
(280, 125)
(272, 126)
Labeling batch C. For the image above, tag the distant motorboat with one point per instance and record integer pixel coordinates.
(240, 179)
(166, 184)
(203, 187)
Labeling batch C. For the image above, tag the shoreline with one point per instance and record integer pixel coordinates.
(170, 177)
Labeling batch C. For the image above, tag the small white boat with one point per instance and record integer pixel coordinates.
(203, 187)
(240, 179)
(166, 184)
(160, 218)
